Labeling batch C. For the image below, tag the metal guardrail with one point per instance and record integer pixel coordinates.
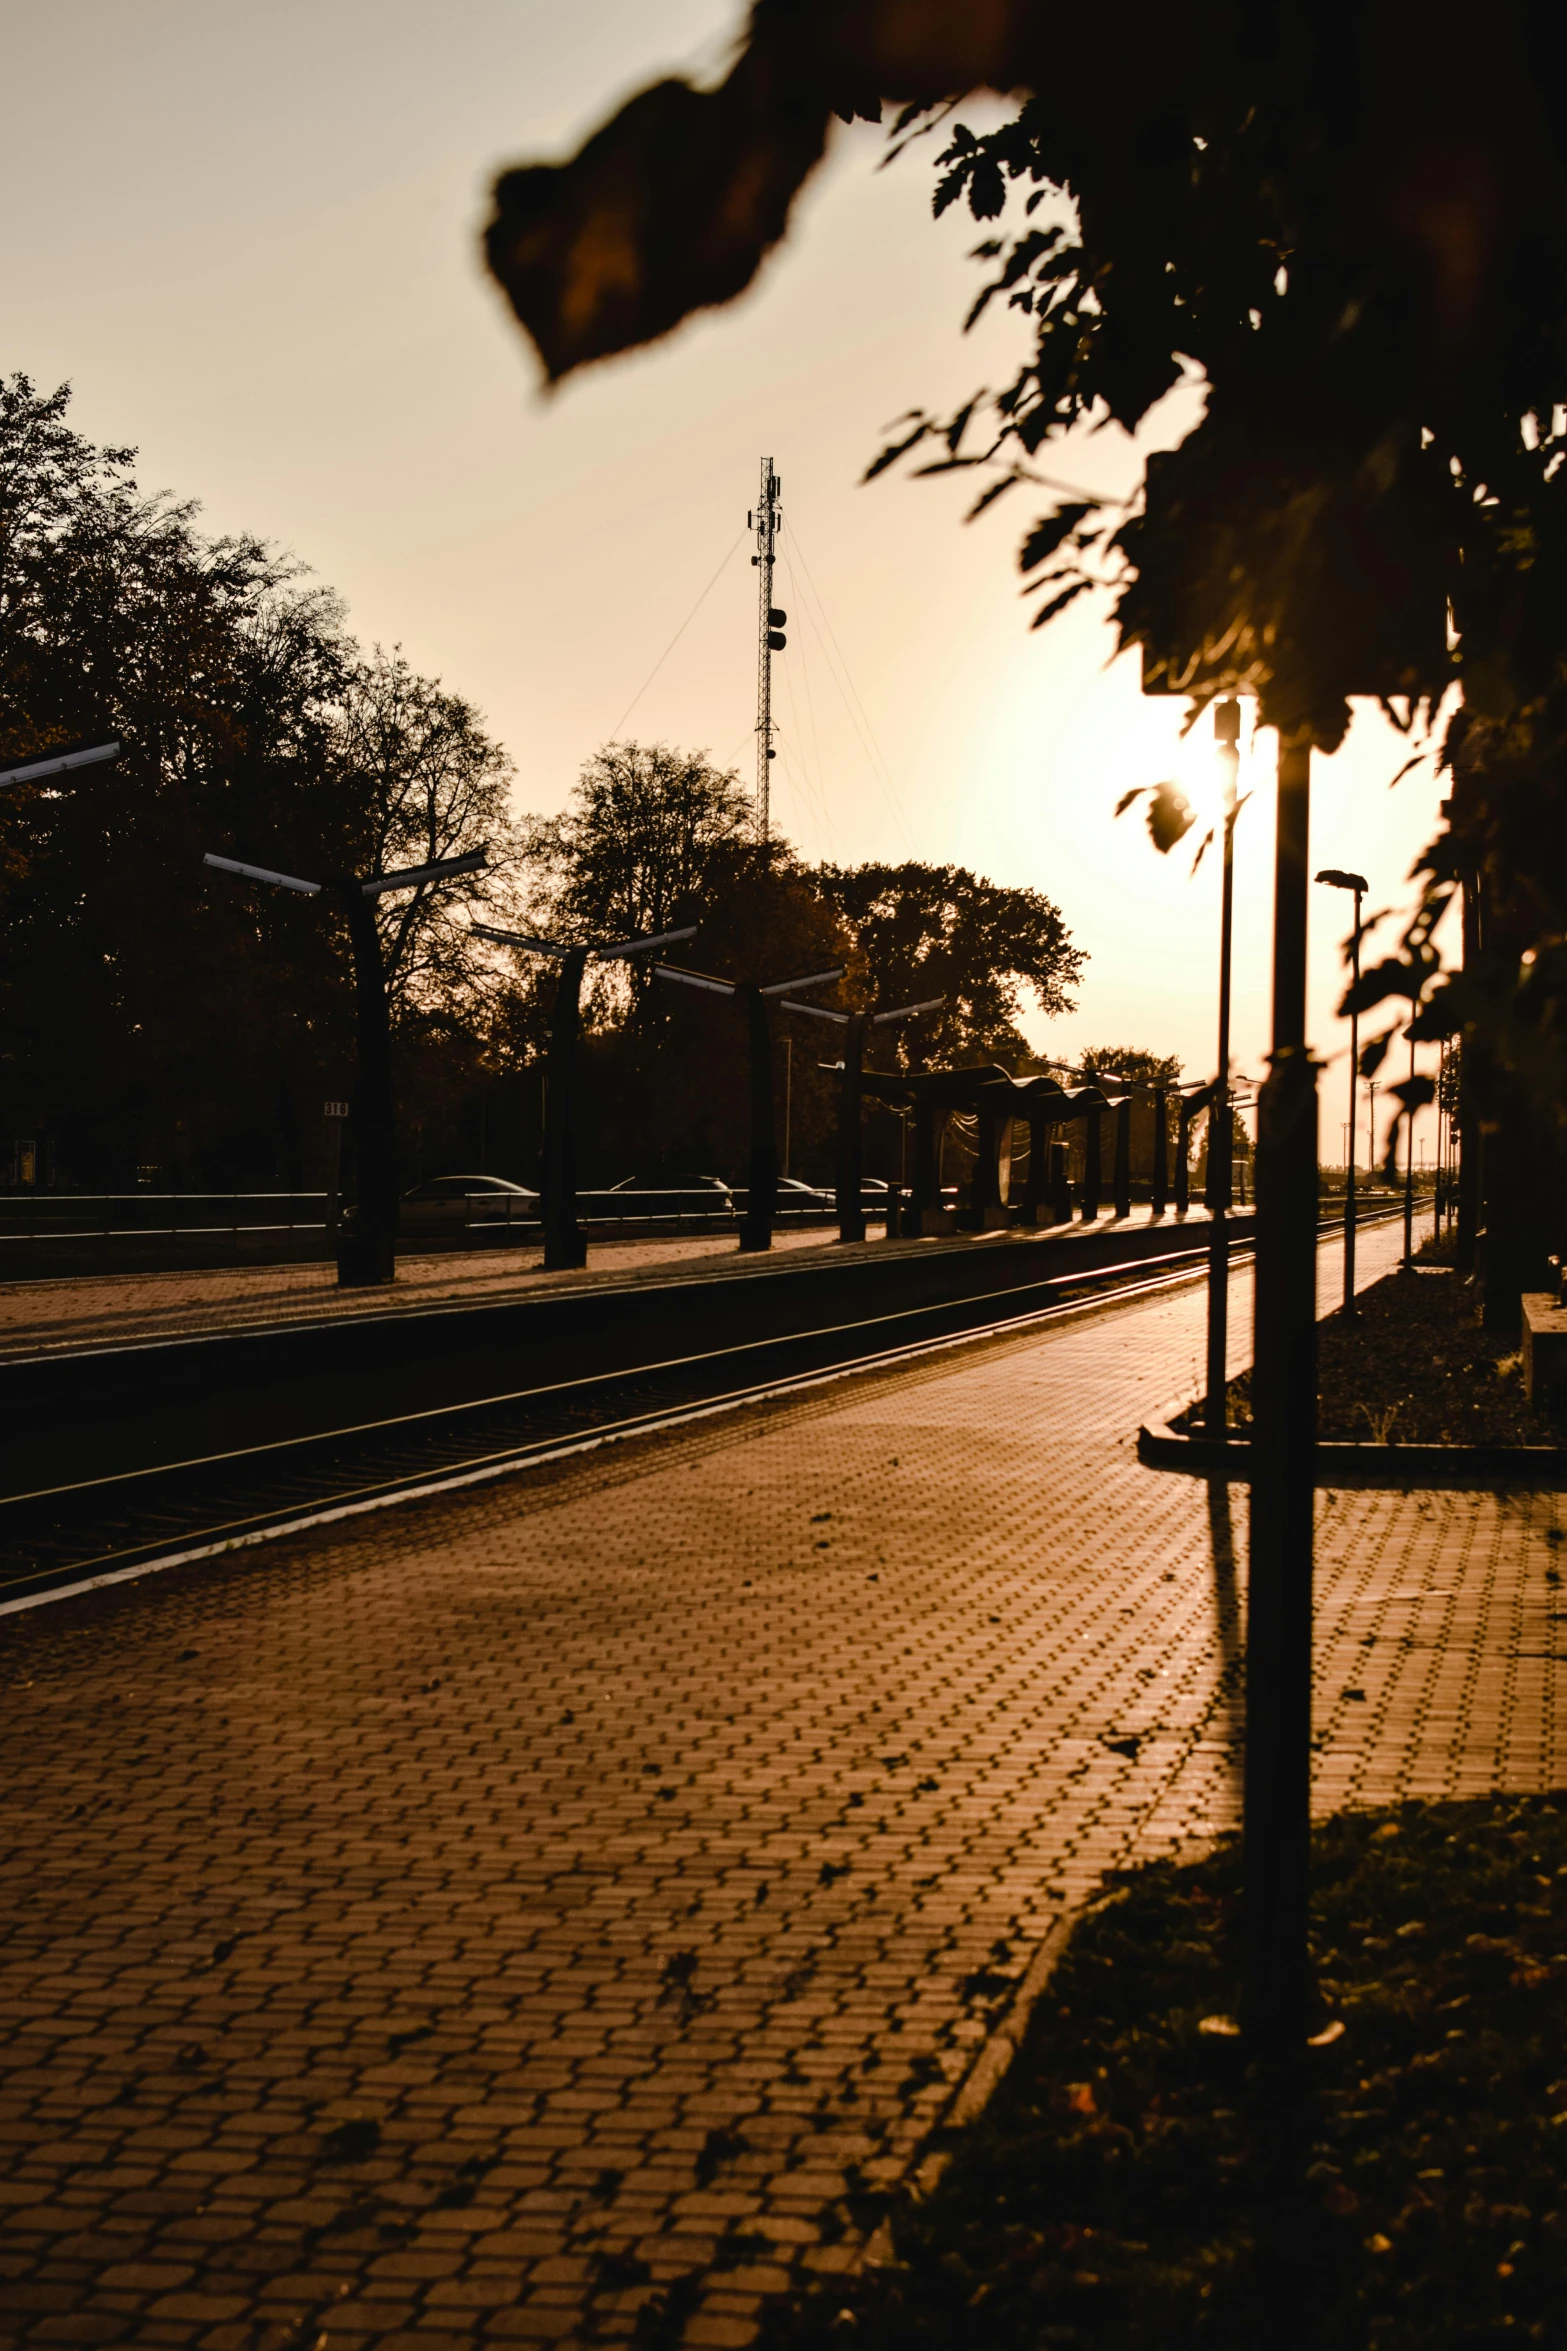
(115, 1216)
(85, 1217)
(89, 1217)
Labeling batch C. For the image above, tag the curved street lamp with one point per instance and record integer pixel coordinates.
(761, 1201)
(367, 1256)
(850, 1169)
(565, 1243)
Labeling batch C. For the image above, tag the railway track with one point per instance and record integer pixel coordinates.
(75, 1537)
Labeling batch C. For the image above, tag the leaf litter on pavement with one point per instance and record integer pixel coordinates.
(1133, 2186)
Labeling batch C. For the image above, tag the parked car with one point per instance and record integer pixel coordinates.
(676, 1194)
(792, 1193)
(449, 1203)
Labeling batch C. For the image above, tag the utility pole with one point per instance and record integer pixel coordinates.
(770, 639)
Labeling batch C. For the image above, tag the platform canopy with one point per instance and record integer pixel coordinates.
(991, 1089)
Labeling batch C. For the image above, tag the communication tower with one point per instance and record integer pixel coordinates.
(770, 639)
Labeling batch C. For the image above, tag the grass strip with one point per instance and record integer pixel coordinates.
(1134, 2184)
(1414, 1366)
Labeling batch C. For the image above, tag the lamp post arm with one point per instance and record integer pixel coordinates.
(622, 950)
(484, 930)
(411, 877)
(908, 1011)
(808, 979)
(694, 979)
(58, 763)
(264, 873)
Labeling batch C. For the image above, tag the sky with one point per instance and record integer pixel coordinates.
(249, 237)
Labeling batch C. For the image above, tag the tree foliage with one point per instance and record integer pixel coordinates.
(632, 851)
(158, 1015)
(1130, 1061)
(655, 837)
(939, 930)
(423, 781)
(1349, 224)
(152, 1013)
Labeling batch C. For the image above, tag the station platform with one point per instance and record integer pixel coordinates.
(555, 1912)
(182, 1371)
(40, 1317)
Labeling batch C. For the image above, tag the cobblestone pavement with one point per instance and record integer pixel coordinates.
(478, 1922)
(116, 1309)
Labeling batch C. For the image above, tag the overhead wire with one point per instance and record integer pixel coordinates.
(813, 790)
(816, 743)
(866, 742)
(675, 639)
(859, 716)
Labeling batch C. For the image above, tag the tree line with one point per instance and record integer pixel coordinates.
(166, 1023)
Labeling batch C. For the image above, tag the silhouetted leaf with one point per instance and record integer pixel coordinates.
(1170, 817)
(1060, 603)
(1048, 534)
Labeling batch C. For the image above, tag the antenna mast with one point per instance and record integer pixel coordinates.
(769, 633)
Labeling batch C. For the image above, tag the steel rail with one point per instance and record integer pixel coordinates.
(94, 1506)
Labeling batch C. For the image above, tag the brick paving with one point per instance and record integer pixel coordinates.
(478, 1922)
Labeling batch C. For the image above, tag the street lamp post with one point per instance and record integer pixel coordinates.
(565, 1243)
(1284, 1404)
(1409, 1168)
(1227, 735)
(367, 1256)
(1371, 1125)
(1338, 880)
(1443, 1146)
(850, 1171)
(761, 1202)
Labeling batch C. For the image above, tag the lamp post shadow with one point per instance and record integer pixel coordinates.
(1229, 1697)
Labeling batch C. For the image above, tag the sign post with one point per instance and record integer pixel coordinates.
(335, 1113)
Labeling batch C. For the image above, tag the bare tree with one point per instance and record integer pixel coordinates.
(427, 783)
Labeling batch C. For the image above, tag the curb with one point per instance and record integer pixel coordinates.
(1160, 1446)
(997, 2051)
(974, 2091)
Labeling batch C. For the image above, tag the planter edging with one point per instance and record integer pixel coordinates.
(1160, 1446)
